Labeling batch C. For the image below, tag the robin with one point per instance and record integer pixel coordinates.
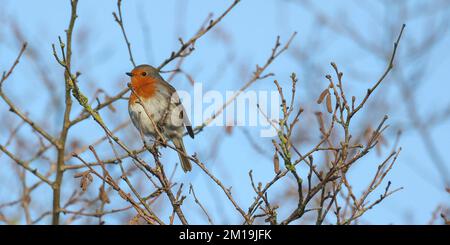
(163, 106)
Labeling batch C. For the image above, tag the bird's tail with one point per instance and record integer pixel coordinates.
(185, 163)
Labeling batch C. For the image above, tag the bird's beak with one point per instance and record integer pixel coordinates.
(129, 74)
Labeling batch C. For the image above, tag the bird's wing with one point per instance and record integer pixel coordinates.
(171, 93)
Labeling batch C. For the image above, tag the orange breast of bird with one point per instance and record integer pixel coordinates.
(144, 88)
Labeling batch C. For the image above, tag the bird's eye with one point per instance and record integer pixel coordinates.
(144, 73)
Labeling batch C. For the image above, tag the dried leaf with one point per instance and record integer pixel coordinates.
(78, 175)
(378, 149)
(229, 129)
(103, 195)
(382, 140)
(134, 220)
(86, 180)
(276, 163)
(322, 96)
(329, 107)
(320, 120)
(368, 133)
(75, 144)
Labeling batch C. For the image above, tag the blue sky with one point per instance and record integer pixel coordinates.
(247, 36)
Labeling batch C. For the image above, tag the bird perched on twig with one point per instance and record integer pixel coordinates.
(156, 110)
